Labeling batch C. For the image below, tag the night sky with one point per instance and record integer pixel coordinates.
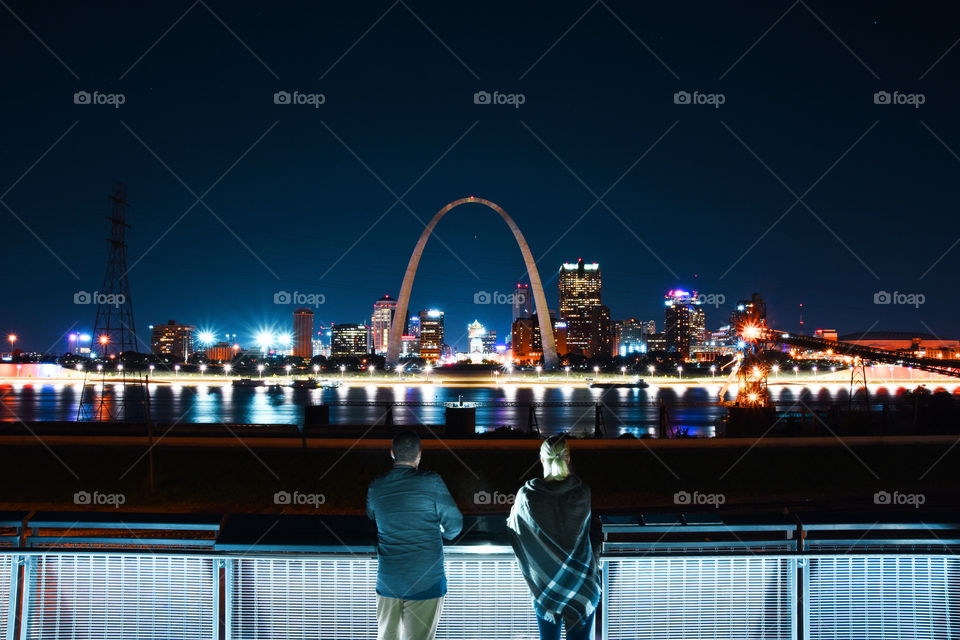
(297, 198)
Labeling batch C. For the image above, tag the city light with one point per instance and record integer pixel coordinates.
(264, 339)
(206, 338)
(104, 339)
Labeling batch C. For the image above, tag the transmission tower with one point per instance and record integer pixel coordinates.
(115, 388)
(858, 382)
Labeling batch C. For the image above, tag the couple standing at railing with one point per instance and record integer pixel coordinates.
(549, 526)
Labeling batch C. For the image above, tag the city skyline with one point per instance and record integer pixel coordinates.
(802, 194)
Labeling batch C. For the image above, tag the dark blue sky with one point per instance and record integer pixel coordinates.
(798, 83)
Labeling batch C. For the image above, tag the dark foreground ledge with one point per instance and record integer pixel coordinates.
(239, 474)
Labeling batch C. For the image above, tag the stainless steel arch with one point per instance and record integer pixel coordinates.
(550, 360)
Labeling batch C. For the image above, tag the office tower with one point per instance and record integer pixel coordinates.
(753, 310)
(683, 321)
(413, 326)
(588, 322)
(431, 335)
(526, 342)
(172, 339)
(522, 304)
(303, 333)
(383, 311)
(629, 336)
(349, 340)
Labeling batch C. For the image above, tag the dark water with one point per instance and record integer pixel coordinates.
(625, 410)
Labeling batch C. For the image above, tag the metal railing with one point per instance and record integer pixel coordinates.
(688, 586)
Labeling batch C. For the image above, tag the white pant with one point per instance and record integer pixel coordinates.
(417, 618)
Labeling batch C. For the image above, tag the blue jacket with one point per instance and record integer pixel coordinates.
(413, 511)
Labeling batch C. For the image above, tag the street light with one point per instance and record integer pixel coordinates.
(596, 372)
(814, 370)
(567, 369)
(203, 369)
(623, 372)
(679, 371)
(176, 370)
(99, 367)
(776, 369)
(151, 369)
(12, 338)
(226, 370)
(539, 369)
(316, 369)
(796, 371)
(260, 370)
(371, 368)
(713, 370)
(288, 370)
(343, 368)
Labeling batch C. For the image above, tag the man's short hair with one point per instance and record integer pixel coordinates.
(406, 447)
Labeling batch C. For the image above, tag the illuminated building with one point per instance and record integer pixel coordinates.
(410, 347)
(588, 321)
(489, 340)
(383, 311)
(683, 321)
(521, 302)
(753, 310)
(629, 336)
(222, 352)
(475, 333)
(526, 343)
(413, 326)
(303, 333)
(172, 339)
(656, 342)
(431, 335)
(920, 345)
(348, 340)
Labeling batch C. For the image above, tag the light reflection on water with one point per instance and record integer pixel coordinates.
(625, 410)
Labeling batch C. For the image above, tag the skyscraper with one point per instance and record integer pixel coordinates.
(431, 335)
(521, 302)
(173, 339)
(629, 336)
(683, 321)
(383, 311)
(303, 333)
(588, 321)
(349, 340)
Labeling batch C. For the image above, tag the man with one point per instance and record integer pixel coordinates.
(413, 511)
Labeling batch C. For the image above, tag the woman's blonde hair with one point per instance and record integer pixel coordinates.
(555, 457)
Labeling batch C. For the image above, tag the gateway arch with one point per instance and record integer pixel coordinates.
(550, 360)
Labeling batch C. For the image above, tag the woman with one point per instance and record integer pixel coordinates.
(550, 533)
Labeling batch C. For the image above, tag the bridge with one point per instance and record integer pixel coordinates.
(666, 575)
